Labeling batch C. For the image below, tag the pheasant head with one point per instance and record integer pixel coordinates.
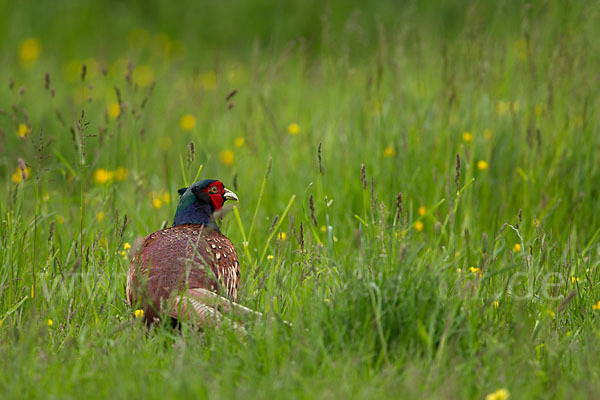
(199, 202)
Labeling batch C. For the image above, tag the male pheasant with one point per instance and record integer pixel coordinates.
(182, 270)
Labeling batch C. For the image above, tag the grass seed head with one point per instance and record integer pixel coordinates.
(457, 176)
(311, 205)
(319, 156)
(363, 176)
(398, 206)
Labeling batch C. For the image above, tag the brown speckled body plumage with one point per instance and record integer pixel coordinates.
(176, 261)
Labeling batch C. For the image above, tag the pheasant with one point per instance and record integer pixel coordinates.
(191, 269)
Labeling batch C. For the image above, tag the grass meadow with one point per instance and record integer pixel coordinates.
(418, 189)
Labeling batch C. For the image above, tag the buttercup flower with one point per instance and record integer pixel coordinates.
(187, 122)
(293, 128)
(238, 142)
(23, 130)
(102, 175)
(389, 151)
(29, 51)
(500, 394)
(227, 157)
(418, 226)
(20, 174)
(114, 110)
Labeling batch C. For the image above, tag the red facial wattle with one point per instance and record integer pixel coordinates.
(216, 195)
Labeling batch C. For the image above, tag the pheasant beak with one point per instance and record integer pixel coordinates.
(229, 195)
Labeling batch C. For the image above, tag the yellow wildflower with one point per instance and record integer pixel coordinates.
(143, 75)
(389, 151)
(270, 257)
(496, 304)
(552, 314)
(114, 110)
(18, 176)
(156, 202)
(482, 165)
(323, 228)
(475, 270)
(102, 175)
(50, 323)
(282, 235)
(100, 216)
(227, 157)
(238, 142)
(293, 128)
(422, 210)
(487, 134)
(139, 313)
(500, 394)
(29, 51)
(574, 279)
(166, 198)
(126, 246)
(187, 122)
(418, 226)
(23, 130)
(596, 306)
(517, 247)
(467, 137)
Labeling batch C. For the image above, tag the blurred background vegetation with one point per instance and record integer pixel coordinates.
(403, 136)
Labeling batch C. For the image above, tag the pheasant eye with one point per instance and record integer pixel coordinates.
(213, 189)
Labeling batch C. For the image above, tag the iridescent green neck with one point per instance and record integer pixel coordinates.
(191, 210)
